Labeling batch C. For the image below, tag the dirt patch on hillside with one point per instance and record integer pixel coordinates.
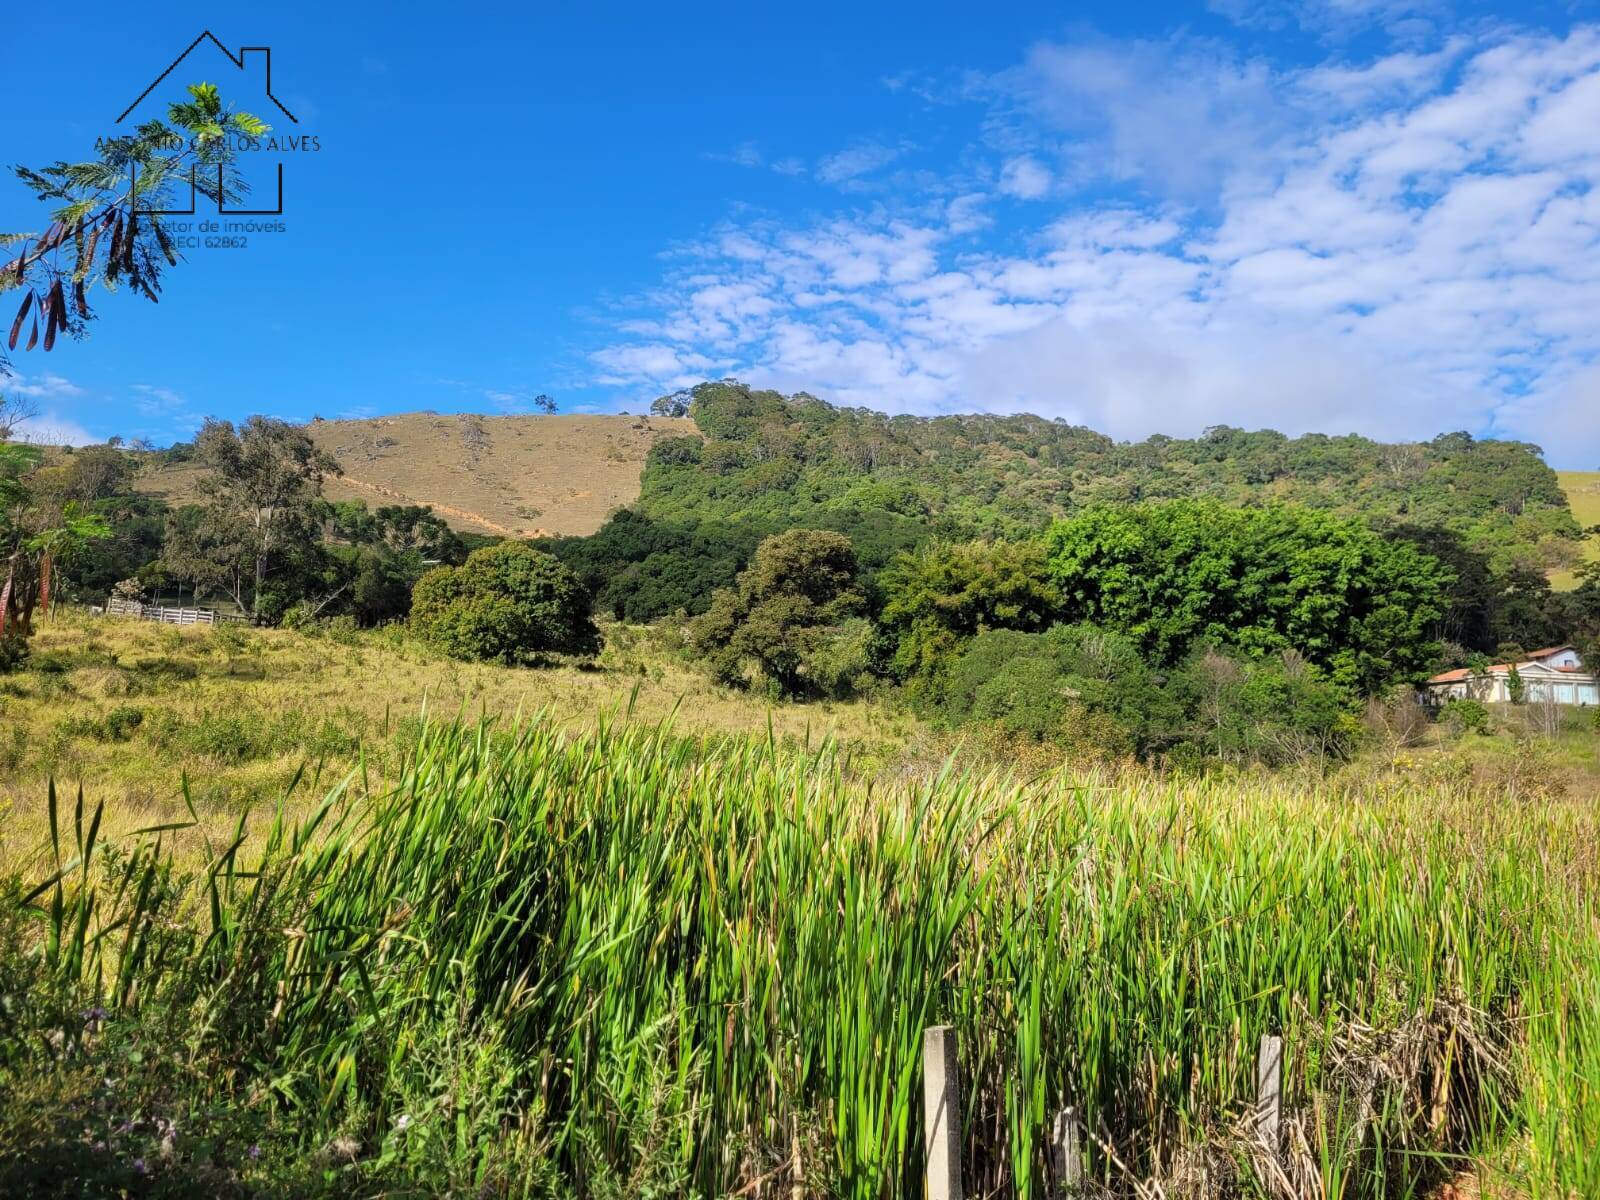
(521, 476)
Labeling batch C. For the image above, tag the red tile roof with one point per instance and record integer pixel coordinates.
(1548, 650)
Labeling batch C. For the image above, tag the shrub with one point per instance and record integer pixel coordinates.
(1073, 684)
(13, 654)
(1271, 709)
(841, 665)
(120, 723)
(940, 597)
(507, 603)
(1465, 716)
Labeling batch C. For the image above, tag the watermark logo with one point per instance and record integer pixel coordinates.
(258, 160)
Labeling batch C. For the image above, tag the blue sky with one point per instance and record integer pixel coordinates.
(1366, 215)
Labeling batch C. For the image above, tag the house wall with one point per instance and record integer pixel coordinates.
(1582, 690)
(1564, 658)
(1574, 691)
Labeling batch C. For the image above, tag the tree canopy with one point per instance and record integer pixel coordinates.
(259, 509)
(507, 602)
(1265, 580)
(783, 610)
(103, 227)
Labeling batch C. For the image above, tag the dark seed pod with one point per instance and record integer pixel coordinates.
(16, 326)
(21, 260)
(166, 243)
(81, 299)
(86, 256)
(33, 334)
(114, 256)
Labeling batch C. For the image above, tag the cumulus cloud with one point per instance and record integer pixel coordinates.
(51, 429)
(1398, 246)
(40, 387)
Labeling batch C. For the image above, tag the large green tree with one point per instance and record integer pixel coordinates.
(938, 598)
(783, 611)
(1176, 575)
(259, 508)
(508, 602)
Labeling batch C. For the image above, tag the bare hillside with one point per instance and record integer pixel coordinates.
(517, 476)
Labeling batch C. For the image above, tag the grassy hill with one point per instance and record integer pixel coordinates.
(1583, 494)
(520, 476)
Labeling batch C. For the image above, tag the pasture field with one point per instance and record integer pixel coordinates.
(132, 709)
(1583, 494)
(533, 945)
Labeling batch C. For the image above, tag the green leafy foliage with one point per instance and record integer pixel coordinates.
(768, 462)
(254, 536)
(534, 966)
(104, 230)
(1090, 691)
(508, 602)
(940, 596)
(784, 614)
(1177, 575)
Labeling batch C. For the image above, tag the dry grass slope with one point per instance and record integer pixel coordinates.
(1583, 493)
(519, 476)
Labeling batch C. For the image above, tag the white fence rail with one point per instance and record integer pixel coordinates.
(168, 615)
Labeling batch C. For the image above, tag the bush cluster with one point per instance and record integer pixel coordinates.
(507, 603)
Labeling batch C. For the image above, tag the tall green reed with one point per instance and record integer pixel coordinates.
(774, 935)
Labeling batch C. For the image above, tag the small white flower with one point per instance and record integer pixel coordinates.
(402, 1122)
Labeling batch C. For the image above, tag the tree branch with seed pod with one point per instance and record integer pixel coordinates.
(105, 230)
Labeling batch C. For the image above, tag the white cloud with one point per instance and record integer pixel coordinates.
(1338, 19)
(1178, 117)
(1400, 246)
(745, 154)
(159, 401)
(864, 158)
(1025, 178)
(40, 387)
(51, 429)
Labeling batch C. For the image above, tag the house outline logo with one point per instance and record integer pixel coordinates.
(238, 60)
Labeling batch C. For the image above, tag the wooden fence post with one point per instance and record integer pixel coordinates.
(1066, 1152)
(1269, 1091)
(941, 1112)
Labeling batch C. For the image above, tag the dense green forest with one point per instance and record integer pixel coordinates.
(769, 462)
(1235, 596)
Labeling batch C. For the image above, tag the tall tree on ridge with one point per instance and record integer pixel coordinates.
(259, 501)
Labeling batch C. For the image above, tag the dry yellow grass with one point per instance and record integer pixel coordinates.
(520, 476)
(1583, 493)
(239, 714)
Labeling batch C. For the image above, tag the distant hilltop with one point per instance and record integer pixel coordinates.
(512, 476)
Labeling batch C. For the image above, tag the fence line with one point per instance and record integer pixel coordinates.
(941, 1110)
(168, 615)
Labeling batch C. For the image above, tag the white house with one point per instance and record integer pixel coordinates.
(1553, 675)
